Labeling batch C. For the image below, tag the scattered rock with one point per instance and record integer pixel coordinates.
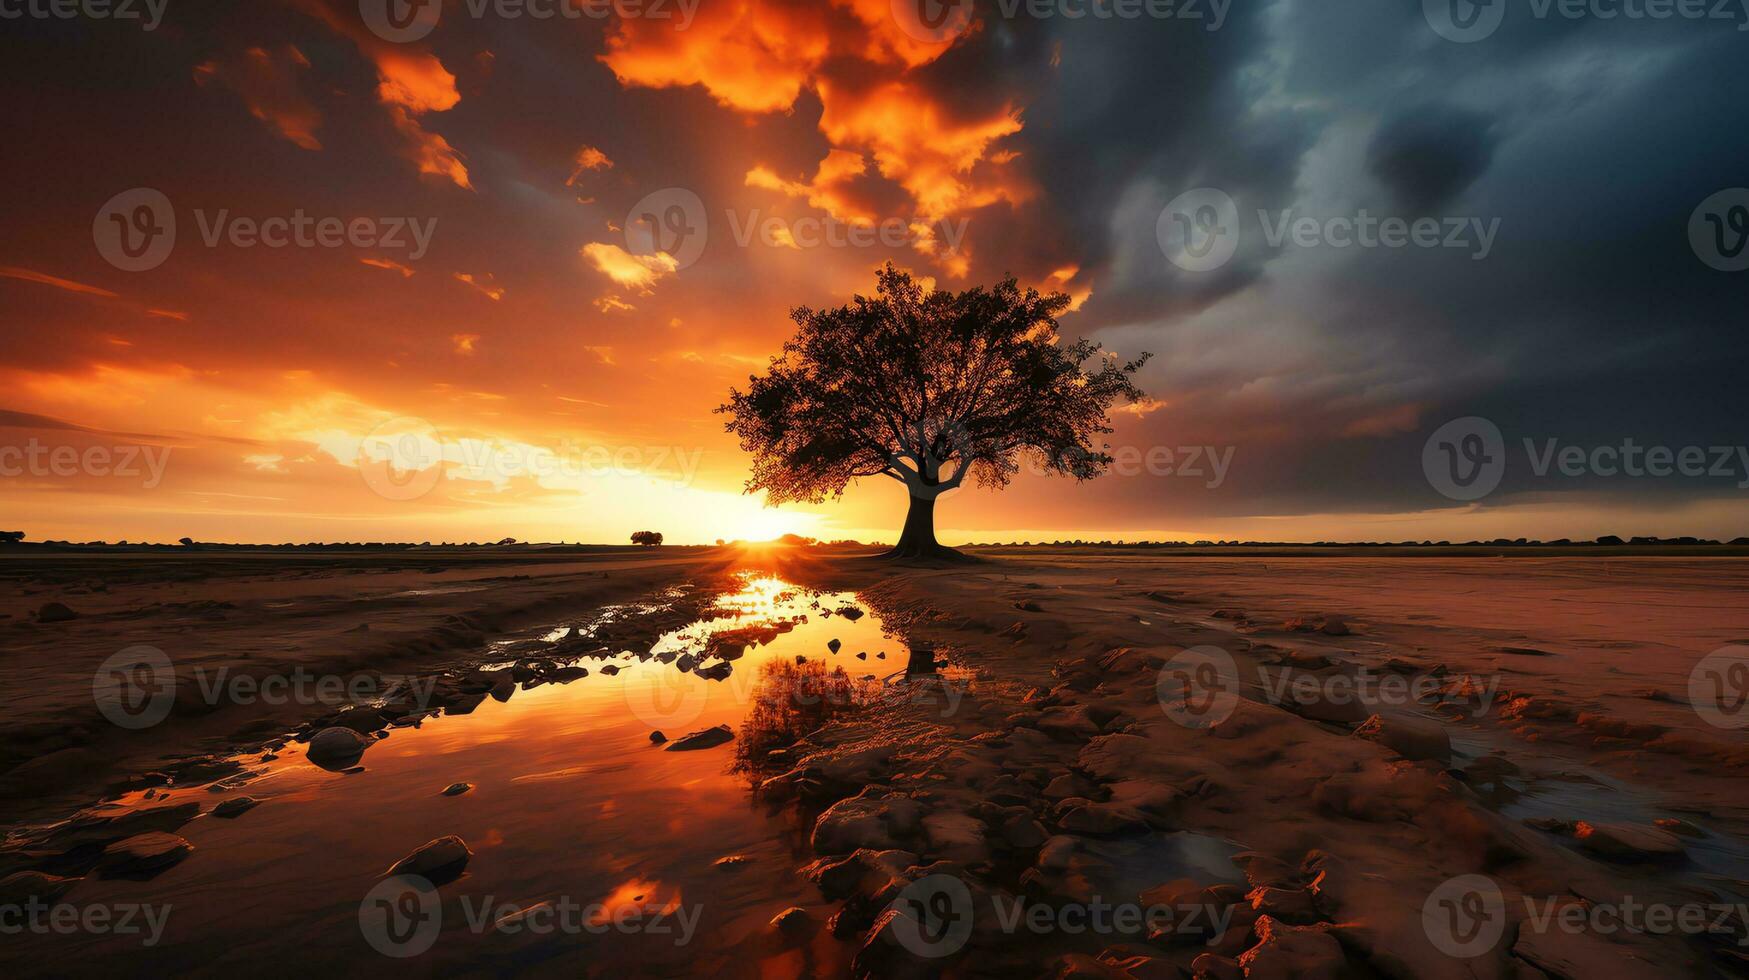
(1627, 842)
(437, 861)
(834, 645)
(851, 613)
(143, 854)
(794, 923)
(235, 807)
(1284, 952)
(868, 820)
(704, 739)
(1410, 737)
(731, 862)
(55, 612)
(657, 738)
(336, 748)
(1335, 626)
(21, 888)
(610, 669)
(456, 789)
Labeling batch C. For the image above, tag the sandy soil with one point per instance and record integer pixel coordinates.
(1549, 745)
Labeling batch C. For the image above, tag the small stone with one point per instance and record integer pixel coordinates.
(731, 862)
(145, 853)
(1410, 737)
(794, 922)
(1335, 626)
(443, 858)
(333, 748)
(610, 669)
(703, 739)
(456, 789)
(55, 612)
(1625, 841)
(657, 738)
(834, 645)
(235, 807)
(18, 889)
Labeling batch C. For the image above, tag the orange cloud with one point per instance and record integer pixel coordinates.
(31, 275)
(490, 290)
(919, 145)
(464, 342)
(636, 271)
(828, 188)
(587, 158)
(267, 82)
(389, 264)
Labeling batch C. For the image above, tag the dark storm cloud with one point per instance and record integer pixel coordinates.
(1430, 154)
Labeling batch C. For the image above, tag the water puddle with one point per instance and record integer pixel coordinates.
(611, 844)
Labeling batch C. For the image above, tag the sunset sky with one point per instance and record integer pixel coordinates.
(564, 360)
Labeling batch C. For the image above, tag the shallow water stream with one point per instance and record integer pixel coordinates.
(572, 805)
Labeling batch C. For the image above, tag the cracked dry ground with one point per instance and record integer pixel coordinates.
(1059, 771)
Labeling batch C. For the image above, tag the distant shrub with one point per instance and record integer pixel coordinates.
(648, 539)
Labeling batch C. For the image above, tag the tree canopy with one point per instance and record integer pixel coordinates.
(927, 388)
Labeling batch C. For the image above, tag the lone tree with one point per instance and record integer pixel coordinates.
(925, 389)
(648, 539)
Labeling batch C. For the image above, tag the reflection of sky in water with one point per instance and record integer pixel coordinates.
(571, 801)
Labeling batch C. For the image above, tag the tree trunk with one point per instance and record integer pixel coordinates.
(917, 540)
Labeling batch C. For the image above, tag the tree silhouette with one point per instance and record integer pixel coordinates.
(648, 539)
(925, 389)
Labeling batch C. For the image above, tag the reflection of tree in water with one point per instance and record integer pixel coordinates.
(790, 701)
